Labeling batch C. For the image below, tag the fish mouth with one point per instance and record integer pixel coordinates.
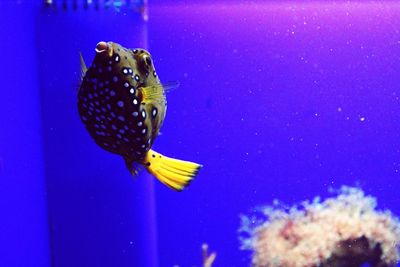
(104, 48)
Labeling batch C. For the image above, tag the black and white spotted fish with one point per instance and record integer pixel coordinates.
(122, 104)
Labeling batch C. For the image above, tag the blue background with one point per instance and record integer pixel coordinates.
(277, 101)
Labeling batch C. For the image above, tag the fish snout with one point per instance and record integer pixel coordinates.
(103, 48)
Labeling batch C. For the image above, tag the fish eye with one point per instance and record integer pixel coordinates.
(147, 60)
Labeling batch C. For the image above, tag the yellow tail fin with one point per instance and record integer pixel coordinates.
(174, 173)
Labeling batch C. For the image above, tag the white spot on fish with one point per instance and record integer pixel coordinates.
(139, 123)
(135, 114)
(132, 91)
(135, 102)
(126, 84)
(115, 79)
(120, 104)
(121, 118)
(112, 93)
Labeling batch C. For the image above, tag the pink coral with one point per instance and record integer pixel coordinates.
(341, 231)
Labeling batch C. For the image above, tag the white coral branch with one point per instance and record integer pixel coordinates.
(208, 259)
(318, 232)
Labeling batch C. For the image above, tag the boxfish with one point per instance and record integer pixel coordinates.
(122, 104)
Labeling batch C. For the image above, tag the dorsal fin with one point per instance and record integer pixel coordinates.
(83, 66)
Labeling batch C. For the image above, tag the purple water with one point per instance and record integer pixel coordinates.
(278, 100)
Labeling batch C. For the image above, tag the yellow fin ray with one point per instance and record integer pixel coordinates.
(175, 173)
(153, 93)
(168, 182)
(174, 176)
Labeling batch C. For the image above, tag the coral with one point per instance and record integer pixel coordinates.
(341, 231)
(208, 259)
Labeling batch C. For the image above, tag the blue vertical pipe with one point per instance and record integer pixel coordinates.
(23, 222)
(99, 216)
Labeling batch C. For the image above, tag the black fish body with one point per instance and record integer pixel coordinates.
(122, 104)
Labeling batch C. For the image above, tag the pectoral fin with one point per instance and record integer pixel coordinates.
(156, 93)
(153, 95)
